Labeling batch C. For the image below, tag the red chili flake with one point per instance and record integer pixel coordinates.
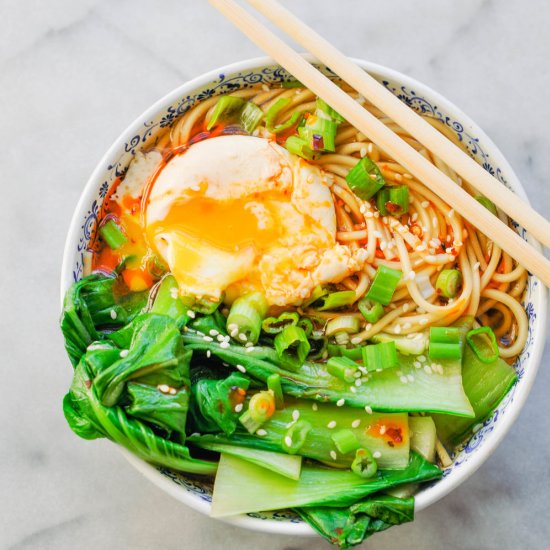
(416, 230)
(395, 435)
(88, 383)
(318, 142)
(392, 208)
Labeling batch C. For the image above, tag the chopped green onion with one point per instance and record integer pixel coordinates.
(383, 285)
(341, 338)
(352, 353)
(273, 112)
(336, 300)
(345, 441)
(342, 368)
(365, 179)
(393, 201)
(292, 337)
(226, 108)
(250, 116)
(380, 356)
(319, 133)
(168, 302)
(295, 436)
(483, 342)
(274, 325)
(260, 409)
(298, 146)
(445, 343)
(246, 316)
(371, 311)
(307, 325)
(364, 464)
(325, 108)
(318, 292)
(344, 323)
(291, 84)
(274, 385)
(112, 234)
(490, 205)
(449, 282)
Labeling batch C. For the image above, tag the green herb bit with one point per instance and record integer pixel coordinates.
(365, 179)
(380, 356)
(292, 338)
(113, 235)
(226, 108)
(244, 321)
(383, 285)
(343, 368)
(296, 436)
(372, 311)
(393, 201)
(274, 385)
(345, 441)
(490, 205)
(336, 299)
(364, 464)
(449, 282)
(298, 146)
(483, 342)
(445, 343)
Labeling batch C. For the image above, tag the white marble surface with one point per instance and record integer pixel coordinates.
(73, 74)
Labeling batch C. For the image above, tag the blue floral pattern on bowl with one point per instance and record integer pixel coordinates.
(116, 167)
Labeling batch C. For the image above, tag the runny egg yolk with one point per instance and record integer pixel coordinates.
(240, 213)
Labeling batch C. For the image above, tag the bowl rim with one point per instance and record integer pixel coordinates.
(446, 485)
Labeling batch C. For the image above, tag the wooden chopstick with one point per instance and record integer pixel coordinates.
(407, 118)
(379, 133)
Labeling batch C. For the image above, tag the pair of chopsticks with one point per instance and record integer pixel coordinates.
(391, 143)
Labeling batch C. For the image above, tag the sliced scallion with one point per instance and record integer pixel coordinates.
(445, 343)
(246, 316)
(250, 116)
(383, 285)
(344, 323)
(371, 311)
(325, 108)
(273, 113)
(319, 133)
(449, 282)
(393, 201)
(291, 84)
(274, 325)
(336, 299)
(364, 464)
(490, 205)
(295, 436)
(274, 385)
(298, 146)
(307, 325)
(318, 292)
(260, 409)
(113, 235)
(365, 179)
(345, 441)
(226, 108)
(342, 368)
(292, 338)
(483, 342)
(380, 356)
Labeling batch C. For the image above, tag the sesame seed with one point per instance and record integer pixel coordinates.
(295, 415)
(376, 214)
(362, 209)
(261, 432)
(363, 152)
(358, 382)
(352, 389)
(113, 314)
(377, 454)
(397, 329)
(164, 388)
(369, 214)
(370, 147)
(340, 402)
(403, 379)
(191, 314)
(232, 326)
(213, 332)
(407, 326)
(315, 407)
(233, 333)
(208, 338)
(405, 308)
(417, 364)
(238, 407)
(423, 321)
(124, 353)
(208, 353)
(368, 410)
(220, 338)
(410, 377)
(243, 337)
(427, 369)
(288, 441)
(241, 368)
(331, 424)
(424, 204)
(422, 358)
(333, 455)
(382, 429)
(249, 349)
(356, 340)
(356, 423)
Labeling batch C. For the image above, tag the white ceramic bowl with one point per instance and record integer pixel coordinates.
(196, 492)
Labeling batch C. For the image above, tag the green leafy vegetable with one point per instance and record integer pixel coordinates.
(241, 487)
(346, 527)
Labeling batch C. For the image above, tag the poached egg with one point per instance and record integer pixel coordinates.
(233, 214)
